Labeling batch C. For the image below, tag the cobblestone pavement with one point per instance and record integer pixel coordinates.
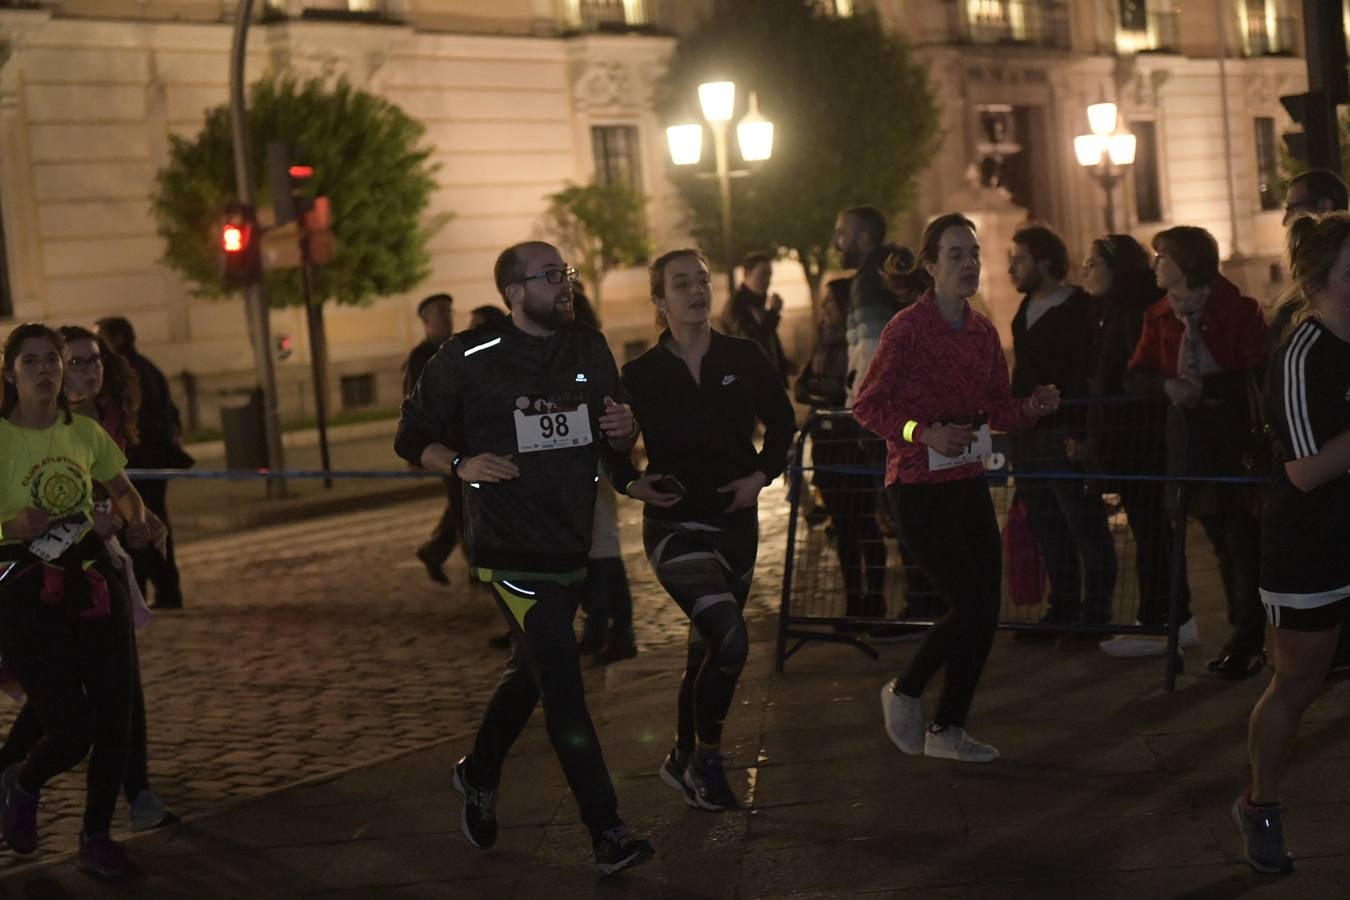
(307, 648)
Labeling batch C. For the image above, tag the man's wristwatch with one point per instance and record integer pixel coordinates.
(454, 464)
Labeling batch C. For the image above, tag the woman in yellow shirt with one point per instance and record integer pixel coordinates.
(65, 626)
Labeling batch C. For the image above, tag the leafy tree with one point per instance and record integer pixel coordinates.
(1291, 167)
(853, 115)
(367, 160)
(600, 226)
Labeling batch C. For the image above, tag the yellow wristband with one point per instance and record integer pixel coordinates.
(910, 427)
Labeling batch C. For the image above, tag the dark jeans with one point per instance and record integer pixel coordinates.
(954, 537)
(77, 673)
(857, 542)
(1145, 505)
(445, 537)
(1068, 521)
(1236, 537)
(609, 600)
(544, 667)
(151, 567)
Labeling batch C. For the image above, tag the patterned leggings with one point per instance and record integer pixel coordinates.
(707, 570)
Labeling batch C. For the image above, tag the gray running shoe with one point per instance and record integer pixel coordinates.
(672, 773)
(1262, 837)
(147, 812)
(904, 719)
(479, 818)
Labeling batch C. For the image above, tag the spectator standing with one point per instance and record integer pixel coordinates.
(755, 314)
(1052, 342)
(1129, 438)
(1202, 347)
(437, 315)
(160, 447)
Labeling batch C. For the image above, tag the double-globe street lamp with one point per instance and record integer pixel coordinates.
(1104, 153)
(754, 133)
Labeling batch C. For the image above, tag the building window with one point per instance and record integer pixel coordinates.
(1037, 23)
(6, 299)
(1268, 27)
(617, 155)
(1267, 170)
(358, 390)
(1147, 189)
(1147, 26)
(841, 8)
(349, 10)
(617, 15)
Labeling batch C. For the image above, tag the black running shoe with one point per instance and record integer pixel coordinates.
(672, 773)
(706, 779)
(618, 849)
(479, 819)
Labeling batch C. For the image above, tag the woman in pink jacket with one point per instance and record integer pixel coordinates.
(938, 381)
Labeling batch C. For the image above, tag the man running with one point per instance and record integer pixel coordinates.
(522, 411)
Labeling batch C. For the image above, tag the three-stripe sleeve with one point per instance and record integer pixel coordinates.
(1303, 441)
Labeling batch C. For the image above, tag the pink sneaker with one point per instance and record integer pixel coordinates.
(100, 855)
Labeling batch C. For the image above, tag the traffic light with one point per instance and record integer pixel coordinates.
(289, 178)
(240, 264)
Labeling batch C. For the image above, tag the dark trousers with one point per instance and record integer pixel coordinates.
(77, 673)
(151, 567)
(954, 537)
(1236, 537)
(851, 503)
(445, 536)
(609, 600)
(26, 731)
(544, 667)
(707, 572)
(1145, 504)
(1068, 521)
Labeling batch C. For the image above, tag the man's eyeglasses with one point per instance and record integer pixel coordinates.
(552, 276)
(78, 363)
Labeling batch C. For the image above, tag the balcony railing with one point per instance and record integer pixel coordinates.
(1161, 34)
(586, 16)
(1034, 23)
(1267, 36)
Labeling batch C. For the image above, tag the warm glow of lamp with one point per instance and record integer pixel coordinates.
(718, 99)
(1120, 147)
(755, 134)
(1088, 148)
(686, 144)
(1102, 118)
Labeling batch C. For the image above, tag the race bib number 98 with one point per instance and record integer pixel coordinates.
(551, 427)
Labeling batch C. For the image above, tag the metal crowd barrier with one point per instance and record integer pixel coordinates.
(843, 503)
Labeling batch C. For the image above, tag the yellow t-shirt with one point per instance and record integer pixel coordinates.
(55, 468)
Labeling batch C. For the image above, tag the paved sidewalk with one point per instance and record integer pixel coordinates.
(1107, 788)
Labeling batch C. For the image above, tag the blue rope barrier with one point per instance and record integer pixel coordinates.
(877, 472)
(268, 474)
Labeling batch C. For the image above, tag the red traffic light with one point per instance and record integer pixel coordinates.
(300, 171)
(232, 238)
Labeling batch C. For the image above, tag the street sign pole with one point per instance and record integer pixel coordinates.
(255, 294)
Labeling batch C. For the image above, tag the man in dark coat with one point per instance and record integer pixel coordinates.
(436, 313)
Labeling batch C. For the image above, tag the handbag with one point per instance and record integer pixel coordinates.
(1027, 578)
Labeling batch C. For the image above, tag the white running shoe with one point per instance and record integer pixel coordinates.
(954, 743)
(1141, 645)
(904, 719)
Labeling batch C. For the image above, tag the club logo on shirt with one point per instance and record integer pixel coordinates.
(581, 378)
(57, 486)
(727, 379)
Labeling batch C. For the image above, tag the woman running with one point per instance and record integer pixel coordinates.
(698, 395)
(65, 627)
(938, 381)
(1305, 570)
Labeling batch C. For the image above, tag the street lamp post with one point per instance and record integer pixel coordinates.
(754, 133)
(1104, 153)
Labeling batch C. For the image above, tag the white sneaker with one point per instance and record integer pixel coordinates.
(1188, 635)
(904, 719)
(954, 743)
(1141, 645)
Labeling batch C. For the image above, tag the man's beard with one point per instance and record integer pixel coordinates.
(1030, 285)
(549, 314)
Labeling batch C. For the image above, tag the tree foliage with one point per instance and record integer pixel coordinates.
(853, 115)
(599, 227)
(367, 160)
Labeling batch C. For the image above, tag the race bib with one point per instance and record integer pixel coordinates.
(975, 451)
(59, 539)
(551, 426)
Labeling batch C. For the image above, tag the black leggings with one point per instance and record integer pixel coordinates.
(951, 530)
(78, 675)
(707, 570)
